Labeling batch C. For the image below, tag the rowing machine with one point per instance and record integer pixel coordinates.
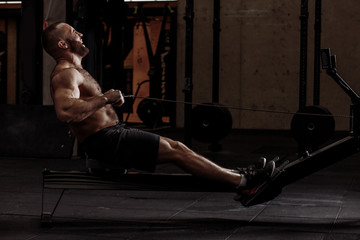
(311, 162)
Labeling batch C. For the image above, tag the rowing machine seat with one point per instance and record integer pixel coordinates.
(100, 167)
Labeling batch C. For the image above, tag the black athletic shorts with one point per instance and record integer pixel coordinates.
(127, 147)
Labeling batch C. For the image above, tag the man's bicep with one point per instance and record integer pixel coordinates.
(63, 99)
(65, 92)
(65, 86)
(66, 104)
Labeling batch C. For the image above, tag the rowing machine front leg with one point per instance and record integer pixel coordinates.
(293, 171)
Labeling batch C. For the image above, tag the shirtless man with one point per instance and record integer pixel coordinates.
(79, 101)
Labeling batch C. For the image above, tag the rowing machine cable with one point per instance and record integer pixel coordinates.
(233, 107)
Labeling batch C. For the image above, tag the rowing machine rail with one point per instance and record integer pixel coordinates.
(131, 181)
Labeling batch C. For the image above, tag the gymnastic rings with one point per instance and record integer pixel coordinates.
(210, 123)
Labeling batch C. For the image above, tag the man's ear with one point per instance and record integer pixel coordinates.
(63, 44)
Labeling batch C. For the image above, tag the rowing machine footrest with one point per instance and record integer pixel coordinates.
(267, 192)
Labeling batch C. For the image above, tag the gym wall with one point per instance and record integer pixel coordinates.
(260, 58)
(54, 11)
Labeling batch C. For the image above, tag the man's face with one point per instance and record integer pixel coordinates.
(78, 48)
(74, 39)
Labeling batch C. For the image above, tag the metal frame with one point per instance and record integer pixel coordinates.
(290, 172)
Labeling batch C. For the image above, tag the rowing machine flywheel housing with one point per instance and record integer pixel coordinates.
(312, 126)
(210, 123)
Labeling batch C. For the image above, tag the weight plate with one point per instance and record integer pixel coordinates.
(150, 112)
(210, 123)
(313, 126)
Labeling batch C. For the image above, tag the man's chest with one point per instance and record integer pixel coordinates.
(89, 87)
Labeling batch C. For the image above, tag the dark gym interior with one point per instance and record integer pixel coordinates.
(233, 80)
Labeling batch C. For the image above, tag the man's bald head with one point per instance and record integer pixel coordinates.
(51, 36)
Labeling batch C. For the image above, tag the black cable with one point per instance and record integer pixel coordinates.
(236, 107)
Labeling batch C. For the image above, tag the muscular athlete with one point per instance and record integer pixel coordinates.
(79, 101)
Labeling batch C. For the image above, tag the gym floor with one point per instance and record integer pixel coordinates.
(321, 206)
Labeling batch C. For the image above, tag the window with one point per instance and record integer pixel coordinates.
(10, 2)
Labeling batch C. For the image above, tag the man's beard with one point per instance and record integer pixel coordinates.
(78, 48)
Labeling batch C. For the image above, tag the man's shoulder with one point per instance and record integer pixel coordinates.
(64, 71)
(65, 77)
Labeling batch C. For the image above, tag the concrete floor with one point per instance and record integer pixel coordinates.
(321, 206)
